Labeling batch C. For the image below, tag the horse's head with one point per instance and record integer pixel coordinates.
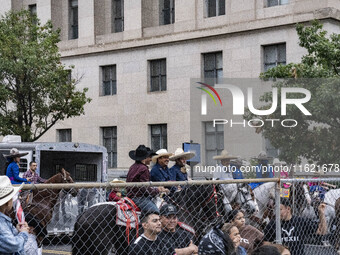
(246, 199)
(65, 177)
(200, 206)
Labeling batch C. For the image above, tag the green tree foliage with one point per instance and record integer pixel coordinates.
(316, 137)
(36, 90)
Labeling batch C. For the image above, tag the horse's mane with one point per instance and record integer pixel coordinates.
(54, 179)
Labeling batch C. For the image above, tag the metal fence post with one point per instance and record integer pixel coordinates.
(277, 212)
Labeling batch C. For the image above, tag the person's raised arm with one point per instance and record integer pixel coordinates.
(322, 229)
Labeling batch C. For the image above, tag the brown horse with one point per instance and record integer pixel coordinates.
(337, 224)
(38, 206)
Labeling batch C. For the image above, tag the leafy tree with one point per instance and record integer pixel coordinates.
(36, 90)
(316, 137)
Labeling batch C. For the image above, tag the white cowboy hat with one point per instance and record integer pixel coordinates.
(161, 153)
(179, 153)
(224, 155)
(14, 152)
(116, 180)
(237, 161)
(263, 156)
(7, 191)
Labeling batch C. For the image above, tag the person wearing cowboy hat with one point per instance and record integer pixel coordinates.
(236, 165)
(224, 173)
(12, 239)
(262, 169)
(178, 171)
(115, 194)
(13, 168)
(263, 163)
(139, 172)
(160, 171)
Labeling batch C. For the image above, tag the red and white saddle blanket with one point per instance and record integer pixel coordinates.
(128, 214)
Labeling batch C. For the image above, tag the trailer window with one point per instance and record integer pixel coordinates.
(23, 165)
(86, 173)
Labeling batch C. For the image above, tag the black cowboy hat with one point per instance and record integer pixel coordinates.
(141, 153)
(32, 221)
(151, 152)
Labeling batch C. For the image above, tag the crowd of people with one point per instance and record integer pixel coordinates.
(162, 231)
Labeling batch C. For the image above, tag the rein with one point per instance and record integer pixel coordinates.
(214, 194)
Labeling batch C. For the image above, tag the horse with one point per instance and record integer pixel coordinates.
(96, 231)
(331, 198)
(38, 206)
(239, 195)
(265, 196)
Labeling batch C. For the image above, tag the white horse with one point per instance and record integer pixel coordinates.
(302, 202)
(240, 194)
(330, 199)
(263, 194)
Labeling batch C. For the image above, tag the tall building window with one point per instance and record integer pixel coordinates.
(215, 7)
(167, 12)
(213, 66)
(214, 142)
(110, 143)
(73, 19)
(117, 16)
(274, 55)
(159, 137)
(33, 10)
(64, 135)
(276, 2)
(158, 75)
(109, 80)
(69, 75)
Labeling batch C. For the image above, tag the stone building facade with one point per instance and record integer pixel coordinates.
(137, 58)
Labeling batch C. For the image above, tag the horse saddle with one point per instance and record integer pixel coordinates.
(128, 213)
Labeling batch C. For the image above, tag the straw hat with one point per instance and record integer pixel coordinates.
(14, 152)
(263, 156)
(224, 155)
(116, 180)
(7, 191)
(237, 161)
(161, 153)
(179, 153)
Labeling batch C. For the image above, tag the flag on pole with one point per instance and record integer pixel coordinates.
(19, 213)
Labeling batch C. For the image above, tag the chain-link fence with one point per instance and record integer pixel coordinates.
(96, 218)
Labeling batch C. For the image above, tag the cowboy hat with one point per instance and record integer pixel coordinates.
(14, 152)
(116, 180)
(224, 155)
(7, 191)
(263, 156)
(179, 153)
(151, 152)
(161, 153)
(237, 161)
(141, 153)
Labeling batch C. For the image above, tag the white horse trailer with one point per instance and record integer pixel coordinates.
(85, 163)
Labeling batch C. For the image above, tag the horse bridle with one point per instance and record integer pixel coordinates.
(214, 194)
(241, 192)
